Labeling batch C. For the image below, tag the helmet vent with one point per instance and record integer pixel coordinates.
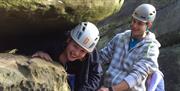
(79, 35)
(143, 17)
(83, 28)
(135, 13)
(85, 24)
(92, 45)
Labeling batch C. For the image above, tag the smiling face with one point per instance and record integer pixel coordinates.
(73, 51)
(138, 28)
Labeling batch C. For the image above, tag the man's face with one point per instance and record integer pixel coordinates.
(138, 28)
(74, 51)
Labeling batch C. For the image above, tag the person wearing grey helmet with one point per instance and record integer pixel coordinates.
(132, 54)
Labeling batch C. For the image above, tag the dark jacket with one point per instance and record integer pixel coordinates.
(88, 72)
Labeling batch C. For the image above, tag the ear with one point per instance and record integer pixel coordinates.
(149, 24)
(68, 40)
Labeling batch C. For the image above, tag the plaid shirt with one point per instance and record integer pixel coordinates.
(132, 66)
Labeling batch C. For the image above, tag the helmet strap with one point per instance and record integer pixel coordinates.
(148, 26)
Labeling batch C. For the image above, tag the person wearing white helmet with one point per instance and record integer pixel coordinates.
(79, 57)
(132, 54)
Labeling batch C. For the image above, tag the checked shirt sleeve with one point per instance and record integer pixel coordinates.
(107, 52)
(146, 63)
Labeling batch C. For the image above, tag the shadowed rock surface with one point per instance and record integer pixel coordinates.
(17, 16)
(20, 73)
(169, 61)
(29, 22)
(25, 30)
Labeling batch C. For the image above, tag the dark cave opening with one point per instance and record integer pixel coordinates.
(31, 41)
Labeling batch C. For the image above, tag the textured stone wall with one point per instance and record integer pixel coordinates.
(20, 73)
(30, 22)
(16, 16)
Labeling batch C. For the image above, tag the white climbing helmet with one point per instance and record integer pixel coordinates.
(145, 13)
(86, 35)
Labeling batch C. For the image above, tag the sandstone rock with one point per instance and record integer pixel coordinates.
(39, 16)
(22, 21)
(20, 73)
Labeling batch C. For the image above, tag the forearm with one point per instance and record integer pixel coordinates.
(123, 86)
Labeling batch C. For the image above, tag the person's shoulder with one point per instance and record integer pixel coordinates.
(93, 56)
(124, 33)
(122, 36)
(151, 38)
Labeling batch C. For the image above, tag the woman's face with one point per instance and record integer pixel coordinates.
(74, 51)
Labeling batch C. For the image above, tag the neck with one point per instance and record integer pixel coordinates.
(139, 37)
(62, 58)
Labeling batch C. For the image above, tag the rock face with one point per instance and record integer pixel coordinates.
(169, 61)
(20, 73)
(22, 21)
(35, 16)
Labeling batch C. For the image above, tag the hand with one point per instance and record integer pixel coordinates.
(103, 89)
(42, 55)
